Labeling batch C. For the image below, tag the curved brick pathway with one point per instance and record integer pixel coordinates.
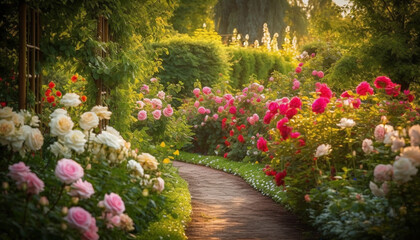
(226, 207)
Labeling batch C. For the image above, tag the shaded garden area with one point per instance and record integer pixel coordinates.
(314, 103)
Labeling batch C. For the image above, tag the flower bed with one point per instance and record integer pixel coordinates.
(319, 145)
(66, 175)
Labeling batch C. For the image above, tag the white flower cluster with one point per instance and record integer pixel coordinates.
(18, 131)
(110, 145)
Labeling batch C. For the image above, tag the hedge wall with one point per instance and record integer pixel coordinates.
(186, 60)
(248, 61)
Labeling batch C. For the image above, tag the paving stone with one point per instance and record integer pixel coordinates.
(226, 207)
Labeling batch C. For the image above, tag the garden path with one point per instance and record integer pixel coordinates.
(226, 207)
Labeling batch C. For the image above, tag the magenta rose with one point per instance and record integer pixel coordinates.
(298, 70)
(296, 84)
(168, 111)
(382, 82)
(79, 218)
(156, 114)
(295, 102)
(364, 88)
(319, 105)
(142, 115)
(82, 189)
(232, 110)
(68, 171)
(320, 74)
(18, 170)
(314, 73)
(113, 203)
(206, 90)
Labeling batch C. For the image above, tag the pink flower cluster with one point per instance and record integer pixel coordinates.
(83, 221)
(23, 176)
(391, 88)
(319, 74)
(253, 119)
(167, 112)
(114, 209)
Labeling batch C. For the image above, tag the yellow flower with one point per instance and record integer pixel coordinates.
(171, 157)
(176, 153)
(166, 160)
(256, 162)
(163, 144)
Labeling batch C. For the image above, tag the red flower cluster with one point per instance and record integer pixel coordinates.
(280, 177)
(269, 171)
(262, 144)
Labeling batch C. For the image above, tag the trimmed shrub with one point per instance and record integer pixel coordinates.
(247, 62)
(186, 60)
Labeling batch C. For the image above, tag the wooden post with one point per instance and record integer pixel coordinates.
(32, 54)
(22, 54)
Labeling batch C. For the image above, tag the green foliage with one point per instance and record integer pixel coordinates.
(253, 62)
(175, 215)
(192, 14)
(186, 60)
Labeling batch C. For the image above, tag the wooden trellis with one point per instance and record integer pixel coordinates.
(29, 56)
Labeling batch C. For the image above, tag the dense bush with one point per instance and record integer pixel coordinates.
(247, 62)
(185, 60)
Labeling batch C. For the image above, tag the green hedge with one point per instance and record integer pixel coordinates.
(247, 62)
(186, 60)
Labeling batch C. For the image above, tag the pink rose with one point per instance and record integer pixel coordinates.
(382, 82)
(296, 85)
(92, 233)
(156, 103)
(379, 133)
(314, 73)
(215, 116)
(228, 97)
(34, 185)
(82, 189)
(220, 109)
(383, 172)
(356, 103)
(156, 114)
(206, 90)
(168, 111)
(153, 80)
(196, 92)
(145, 88)
(159, 185)
(161, 95)
(256, 117)
(301, 64)
(142, 115)
(79, 218)
(68, 171)
(208, 111)
(271, 79)
(251, 120)
(364, 88)
(201, 110)
(141, 104)
(218, 100)
(146, 100)
(112, 220)
(245, 90)
(113, 203)
(320, 74)
(196, 104)
(324, 90)
(18, 170)
(260, 88)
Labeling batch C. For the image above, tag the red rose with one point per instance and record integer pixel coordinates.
(51, 84)
(74, 78)
(241, 139)
(58, 94)
(83, 98)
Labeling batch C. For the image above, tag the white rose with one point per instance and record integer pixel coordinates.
(75, 140)
(412, 153)
(397, 144)
(70, 100)
(346, 123)
(102, 112)
(414, 133)
(59, 149)
(135, 167)
(403, 170)
(57, 112)
(88, 120)
(367, 146)
(7, 128)
(60, 125)
(109, 140)
(34, 121)
(18, 119)
(148, 161)
(34, 139)
(6, 112)
(17, 145)
(322, 150)
(390, 137)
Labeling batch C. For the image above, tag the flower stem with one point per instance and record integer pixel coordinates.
(25, 213)
(58, 199)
